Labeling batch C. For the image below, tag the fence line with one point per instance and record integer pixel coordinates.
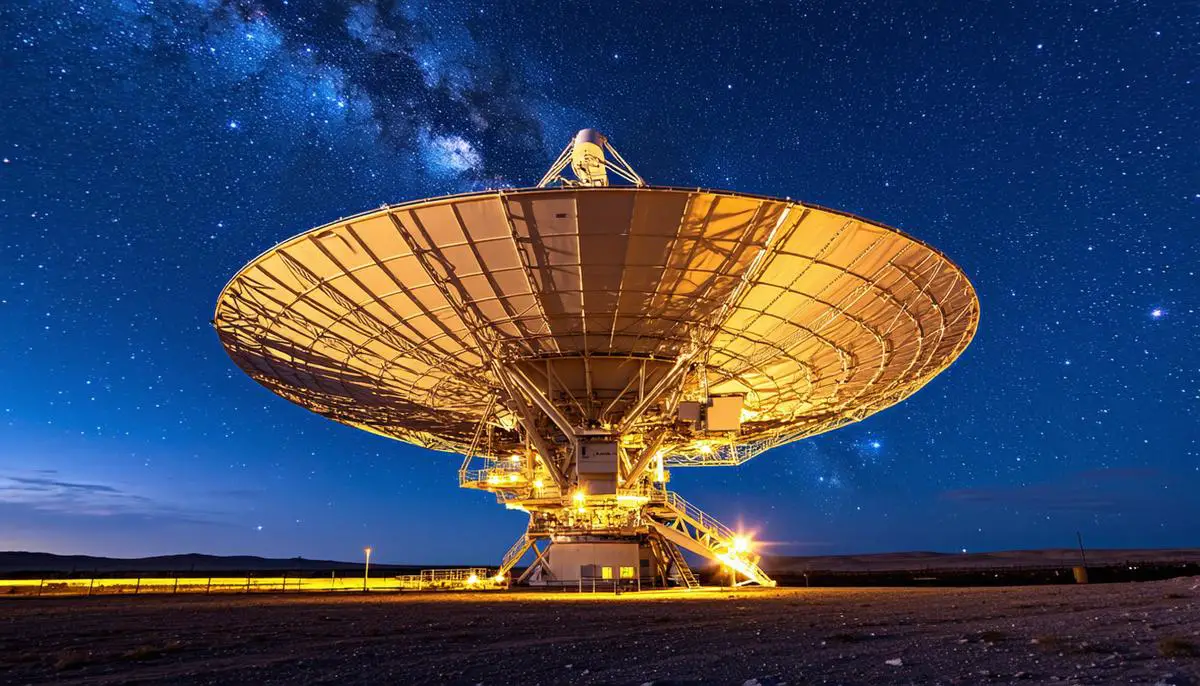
(249, 583)
(96, 586)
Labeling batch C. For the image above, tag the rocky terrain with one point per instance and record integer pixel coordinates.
(1144, 633)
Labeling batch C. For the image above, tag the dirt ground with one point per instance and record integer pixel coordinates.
(1144, 633)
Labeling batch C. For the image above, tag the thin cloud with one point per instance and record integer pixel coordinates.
(50, 485)
(87, 499)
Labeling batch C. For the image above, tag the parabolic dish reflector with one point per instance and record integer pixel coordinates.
(397, 320)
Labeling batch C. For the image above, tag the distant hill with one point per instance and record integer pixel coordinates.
(20, 561)
(919, 560)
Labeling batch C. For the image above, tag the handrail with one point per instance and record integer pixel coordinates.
(727, 454)
(702, 518)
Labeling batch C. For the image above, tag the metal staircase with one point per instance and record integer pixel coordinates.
(690, 527)
(514, 554)
(686, 576)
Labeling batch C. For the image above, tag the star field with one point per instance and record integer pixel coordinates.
(150, 149)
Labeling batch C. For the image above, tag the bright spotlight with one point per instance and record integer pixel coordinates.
(741, 544)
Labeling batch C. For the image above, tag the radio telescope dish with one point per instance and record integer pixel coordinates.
(577, 339)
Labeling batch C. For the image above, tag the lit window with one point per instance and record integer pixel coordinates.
(627, 572)
(606, 572)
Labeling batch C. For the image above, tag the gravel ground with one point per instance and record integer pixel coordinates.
(1145, 633)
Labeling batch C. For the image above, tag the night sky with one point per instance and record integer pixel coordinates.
(150, 149)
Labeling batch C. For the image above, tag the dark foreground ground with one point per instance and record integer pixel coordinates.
(1144, 633)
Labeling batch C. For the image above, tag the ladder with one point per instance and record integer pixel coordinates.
(681, 565)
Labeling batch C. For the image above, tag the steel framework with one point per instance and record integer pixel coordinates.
(577, 340)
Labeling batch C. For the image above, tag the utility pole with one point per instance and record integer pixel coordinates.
(366, 567)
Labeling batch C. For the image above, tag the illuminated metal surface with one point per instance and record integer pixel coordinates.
(838, 318)
(526, 322)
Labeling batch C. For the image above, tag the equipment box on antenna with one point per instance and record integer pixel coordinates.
(689, 411)
(724, 413)
(596, 465)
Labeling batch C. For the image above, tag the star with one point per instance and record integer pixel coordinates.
(352, 108)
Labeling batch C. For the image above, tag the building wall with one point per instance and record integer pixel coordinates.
(575, 561)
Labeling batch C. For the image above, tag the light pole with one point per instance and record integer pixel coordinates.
(366, 567)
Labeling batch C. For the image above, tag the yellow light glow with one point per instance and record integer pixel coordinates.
(499, 578)
(538, 484)
(515, 459)
(493, 479)
(472, 580)
(513, 477)
(582, 509)
(740, 566)
(579, 496)
(741, 544)
(705, 448)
